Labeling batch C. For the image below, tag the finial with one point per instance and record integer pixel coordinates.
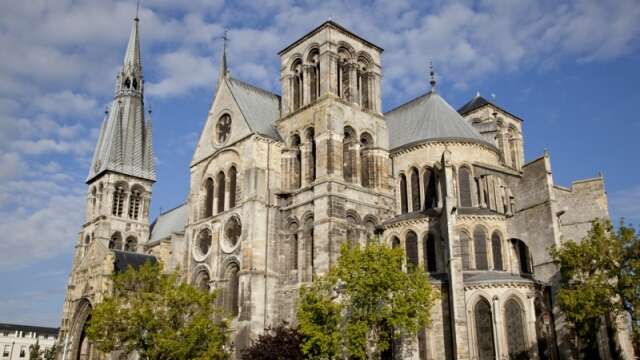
(493, 96)
(137, 10)
(150, 110)
(106, 110)
(432, 73)
(477, 93)
(223, 64)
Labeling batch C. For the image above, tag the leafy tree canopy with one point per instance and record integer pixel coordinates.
(363, 304)
(279, 343)
(157, 316)
(600, 279)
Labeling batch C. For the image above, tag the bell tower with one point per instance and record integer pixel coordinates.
(335, 162)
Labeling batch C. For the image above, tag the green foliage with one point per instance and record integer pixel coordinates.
(159, 317)
(34, 351)
(600, 278)
(364, 303)
(279, 343)
(50, 353)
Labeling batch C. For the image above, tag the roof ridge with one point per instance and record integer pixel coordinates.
(254, 87)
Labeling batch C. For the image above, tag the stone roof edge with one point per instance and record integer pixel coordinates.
(405, 147)
(328, 23)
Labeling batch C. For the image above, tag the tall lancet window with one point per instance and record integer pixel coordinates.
(314, 74)
(208, 201)
(496, 248)
(134, 203)
(430, 189)
(484, 330)
(404, 206)
(344, 86)
(480, 244)
(220, 179)
(118, 200)
(366, 165)
(415, 189)
(464, 183)
(297, 84)
(347, 155)
(311, 143)
(363, 83)
(296, 172)
(232, 187)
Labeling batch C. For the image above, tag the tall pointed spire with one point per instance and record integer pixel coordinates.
(132, 56)
(224, 69)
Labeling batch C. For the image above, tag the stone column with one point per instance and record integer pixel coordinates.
(355, 162)
(498, 333)
(306, 84)
(328, 73)
(353, 82)
(227, 187)
(483, 201)
(305, 150)
(287, 101)
(376, 80)
(532, 337)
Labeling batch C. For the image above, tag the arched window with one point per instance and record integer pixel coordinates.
(430, 189)
(484, 330)
(363, 83)
(353, 234)
(131, 244)
(366, 141)
(134, 203)
(309, 248)
(208, 201)
(347, 156)
(127, 83)
(297, 84)
(404, 207)
(118, 200)
(115, 243)
(293, 231)
(297, 170)
(513, 146)
(203, 243)
(314, 74)
(524, 257)
(415, 189)
(202, 280)
(464, 250)
(496, 249)
(480, 244)
(370, 227)
(395, 242)
(135, 83)
(429, 249)
(223, 128)
(514, 323)
(311, 171)
(231, 298)
(464, 183)
(344, 87)
(232, 187)
(411, 248)
(220, 179)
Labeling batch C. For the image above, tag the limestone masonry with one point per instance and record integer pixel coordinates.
(279, 182)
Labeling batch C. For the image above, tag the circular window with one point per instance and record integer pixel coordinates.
(202, 245)
(232, 232)
(223, 128)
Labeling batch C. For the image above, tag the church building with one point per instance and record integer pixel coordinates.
(278, 182)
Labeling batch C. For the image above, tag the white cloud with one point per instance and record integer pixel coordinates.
(11, 166)
(66, 103)
(183, 71)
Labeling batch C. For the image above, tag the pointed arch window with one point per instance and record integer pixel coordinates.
(395, 242)
(496, 249)
(484, 330)
(430, 189)
(134, 203)
(297, 162)
(366, 141)
(231, 298)
(353, 234)
(524, 257)
(480, 244)
(314, 74)
(309, 248)
(203, 280)
(404, 207)
(363, 83)
(293, 231)
(131, 244)
(429, 249)
(208, 201)
(232, 187)
(118, 200)
(514, 323)
(344, 86)
(415, 190)
(464, 250)
(411, 248)
(347, 155)
(464, 183)
(220, 179)
(297, 84)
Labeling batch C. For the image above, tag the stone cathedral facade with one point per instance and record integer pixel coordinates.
(279, 182)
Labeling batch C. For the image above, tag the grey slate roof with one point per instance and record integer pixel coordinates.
(169, 222)
(39, 330)
(124, 259)
(477, 102)
(125, 139)
(494, 276)
(260, 107)
(428, 117)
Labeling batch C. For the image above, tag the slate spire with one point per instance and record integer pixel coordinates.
(124, 144)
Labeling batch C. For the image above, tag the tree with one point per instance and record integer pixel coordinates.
(50, 353)
(34, 351)
(279, 343)
(364, 304)
(600, 280)
(157, 316)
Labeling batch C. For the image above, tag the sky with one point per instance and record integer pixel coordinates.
(570, 69)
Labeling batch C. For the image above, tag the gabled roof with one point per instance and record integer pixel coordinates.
(335, 25)
(261, 108)
(169, 222)
(428, 117)
(477, 102)
(124, 259)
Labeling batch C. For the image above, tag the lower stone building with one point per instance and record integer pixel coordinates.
(279, 182)
(18, 341)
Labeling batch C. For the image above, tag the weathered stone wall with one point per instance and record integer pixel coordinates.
(579, 205)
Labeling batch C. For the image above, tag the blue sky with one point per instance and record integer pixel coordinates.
(570, 69)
